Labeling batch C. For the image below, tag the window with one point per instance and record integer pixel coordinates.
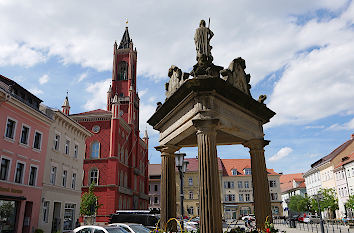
(24, 135)
(156, 200)
(5, 168)
(272, 183)
(95, 150)
(76, 150)
(20, 170)
(53, 175)
(67, 147)
(190, 210)
(37, 140)
(56, 142)
(93, 176)
(248, 171)
(239, 184)
(230, 197)
(156, 187)
(33, 176)
(240, 197)
(247, 195)
(69, 216)
(229, 184)
(73, 181)
(274, 196)
(45, 211)
(10, 129)
(234, 172)
(64, 177)
(190, 181)
(247, 184)
(190, 195)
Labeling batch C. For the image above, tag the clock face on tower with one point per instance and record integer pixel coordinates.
(96, 128)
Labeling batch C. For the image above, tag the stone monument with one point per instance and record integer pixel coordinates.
(215, 107)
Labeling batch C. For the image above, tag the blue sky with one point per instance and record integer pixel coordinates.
(299, 53)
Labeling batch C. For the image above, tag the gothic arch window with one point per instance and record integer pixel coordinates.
(93, 176)
(122, 70)
(95, 150)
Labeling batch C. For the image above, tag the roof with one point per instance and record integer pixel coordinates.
(239, 165)
(124, 43)
(286, 181)
(193, 164)
(154, 169)
(93, 112)
(350, 158)
(334, 153)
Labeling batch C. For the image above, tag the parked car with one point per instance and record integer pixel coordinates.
(191, 226)
(300, 219)
(132, 227)
(248, 217)
(146, 219)
(312, 219)
(99, 229)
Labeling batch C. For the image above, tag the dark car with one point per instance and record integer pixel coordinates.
(146, 219)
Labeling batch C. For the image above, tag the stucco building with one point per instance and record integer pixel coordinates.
(290, 185)
(154, 186)
(237, 189)
(62, 179)
(116, 158)
(23, 147)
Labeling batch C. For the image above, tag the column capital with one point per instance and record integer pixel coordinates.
(205, 125)
(256, 143)
(167, 149)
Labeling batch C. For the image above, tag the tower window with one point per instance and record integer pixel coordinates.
(122, 71)
(95, 150)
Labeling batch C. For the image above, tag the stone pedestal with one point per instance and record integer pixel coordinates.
(168, 187)
(260, 182)
(209, 184)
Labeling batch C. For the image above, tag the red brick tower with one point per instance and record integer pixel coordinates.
(116, 157)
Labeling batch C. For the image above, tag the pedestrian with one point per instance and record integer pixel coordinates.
(77, 224)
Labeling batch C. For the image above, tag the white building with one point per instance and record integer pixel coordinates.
(313, 181)
(290, 185)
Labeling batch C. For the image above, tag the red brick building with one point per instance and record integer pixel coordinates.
(116, 157)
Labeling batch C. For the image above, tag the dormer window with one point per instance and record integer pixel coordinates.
(234, 172)
(247, 171)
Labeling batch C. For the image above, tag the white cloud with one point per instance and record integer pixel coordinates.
(146, 111)
(346, 126)
(314, 127)
(142, 92)
(98, 95)
(283, 152)
(43, 79)
(36, 91)
(82, 77)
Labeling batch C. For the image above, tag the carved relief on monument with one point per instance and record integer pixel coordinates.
(236, 75)
(177, 78)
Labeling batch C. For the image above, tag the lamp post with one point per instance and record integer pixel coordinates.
(181, 164)
(319, 196)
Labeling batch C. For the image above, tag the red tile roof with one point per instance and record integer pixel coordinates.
(193, 164)
(240, 165)
(154, 169)
(350, 159)
(286, 181)
(93, 112)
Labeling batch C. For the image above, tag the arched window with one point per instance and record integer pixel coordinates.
(125, 180)
(121, 179)
(122, 71)
(93, 176)
(95, 150)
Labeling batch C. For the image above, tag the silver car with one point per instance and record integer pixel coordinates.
(132, 227)
(100, 229)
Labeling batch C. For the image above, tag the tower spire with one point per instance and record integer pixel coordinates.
(66, 105)
(125, 42)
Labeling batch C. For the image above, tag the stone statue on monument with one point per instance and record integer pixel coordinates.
(202, 40)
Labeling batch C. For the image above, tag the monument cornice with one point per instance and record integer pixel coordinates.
(217, 86)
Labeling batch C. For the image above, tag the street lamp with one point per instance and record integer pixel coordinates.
(319, 197)
(181, 164)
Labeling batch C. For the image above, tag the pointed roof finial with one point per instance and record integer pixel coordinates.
(124, 43)
(126, 22)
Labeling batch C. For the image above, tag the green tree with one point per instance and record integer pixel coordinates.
(350, 202)
(329, 200)
(299, 203)
(89, 202)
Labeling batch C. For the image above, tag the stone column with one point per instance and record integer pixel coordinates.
(209, 184)
(262, 206)
(168, 186)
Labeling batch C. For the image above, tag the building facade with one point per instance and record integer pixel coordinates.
(62, 179)
(237, 189)
(154, 186)
(23, 147)
(291, 185)
(116, 158)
